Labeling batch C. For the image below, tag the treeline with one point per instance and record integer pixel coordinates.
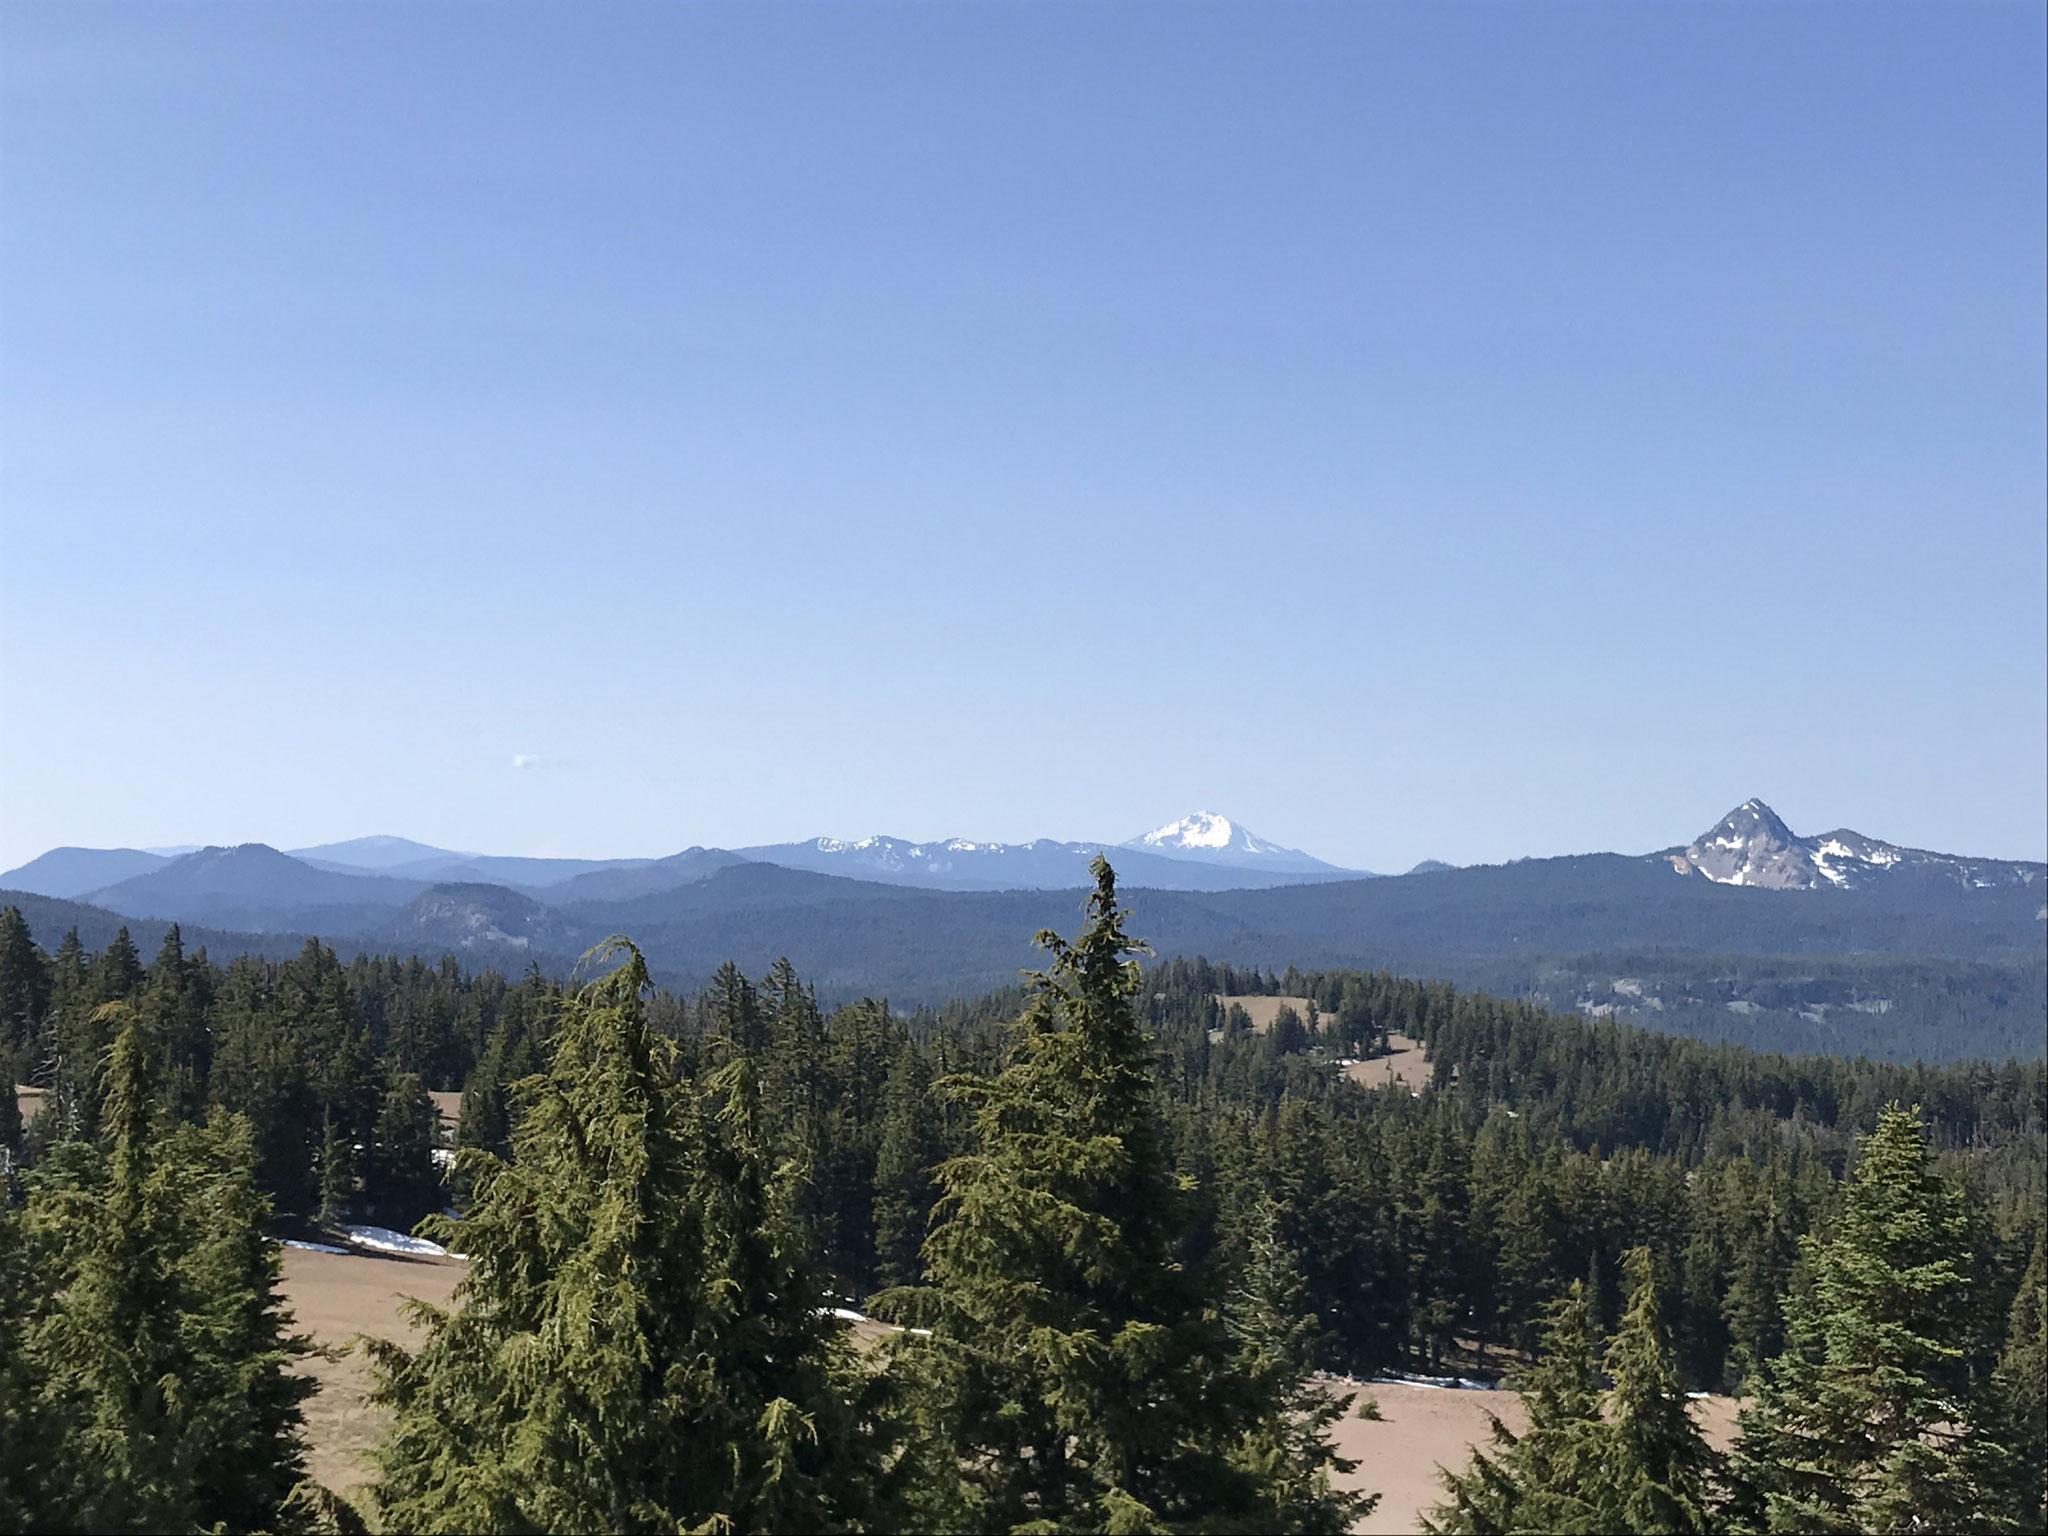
(1026, 1174)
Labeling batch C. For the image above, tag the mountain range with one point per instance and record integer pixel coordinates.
(1889, 949)
(1202, 852)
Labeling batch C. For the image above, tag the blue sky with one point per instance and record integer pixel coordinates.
(1456, 431)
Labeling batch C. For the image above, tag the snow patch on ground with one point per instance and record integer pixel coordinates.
(292, 1242)
(1447, 1383)
(384, 1240)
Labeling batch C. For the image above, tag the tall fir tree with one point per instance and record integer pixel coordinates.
(1549, 1477)
(1868, 1420)
(177, 996)
(166, 1365)
(24, 983)
(905, 1156)
(633, 1348)
(2023, 1384)
(1075, 1376)
(401, 1180)
(1287, 1449)
(1658, 1472)
(10, 1116)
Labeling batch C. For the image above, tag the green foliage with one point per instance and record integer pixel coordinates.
(156, 1363)
(1869, 1420)
(24, 983)
(1142, 1194)
(1658, 1473)
(908, 1150)
(1550, 1477)
(403, 1181)
(1287, 1450)
(1074, 1377)
(638, 1345)
(2023, 1380)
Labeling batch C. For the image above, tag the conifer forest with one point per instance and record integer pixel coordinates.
(1093, 1253)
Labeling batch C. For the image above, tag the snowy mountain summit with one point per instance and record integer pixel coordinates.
(1751, 846)
(1213, 839)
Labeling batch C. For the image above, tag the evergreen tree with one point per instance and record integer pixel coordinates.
(337, 1176)
(1287, 1451)
(24, 982)
(633, 1348)
(908, 1151)
(117, 974)
(176, 998)
(165, 1364)
(31, 1434)
(1549, 1477)
(1074, 1378)
(1657, 1472)
(10, 1116)
(2023, 1380)
(1868, 1420)
(402, 1182)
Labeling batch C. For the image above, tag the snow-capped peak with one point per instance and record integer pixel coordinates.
(1204, 829)
(1751, 846)
(1213, 839)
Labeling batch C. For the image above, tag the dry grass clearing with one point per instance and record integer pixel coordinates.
(1405, 1063)
(1421, 1429)
(449, 1107)
(334, 1297)
(337, 1296)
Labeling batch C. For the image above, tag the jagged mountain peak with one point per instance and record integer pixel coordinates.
(1752, 846)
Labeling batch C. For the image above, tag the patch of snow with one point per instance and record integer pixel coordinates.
(292, 1242)
(848, 1315)
(1447, 1383)
(442, 1156)
(1204, 829)
(384, 1240)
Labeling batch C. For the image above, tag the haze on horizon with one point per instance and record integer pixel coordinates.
(1461, 433)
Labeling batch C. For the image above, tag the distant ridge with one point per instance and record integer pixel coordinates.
(1751, 932)
(962, 864)
(68, 872)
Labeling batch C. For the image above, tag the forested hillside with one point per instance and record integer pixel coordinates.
(1915, 967)
(1546, 1162)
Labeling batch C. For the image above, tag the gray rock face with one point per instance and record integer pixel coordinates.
(466, 917)
(1751, 846)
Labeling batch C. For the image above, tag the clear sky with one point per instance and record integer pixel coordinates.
(1456, 431)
